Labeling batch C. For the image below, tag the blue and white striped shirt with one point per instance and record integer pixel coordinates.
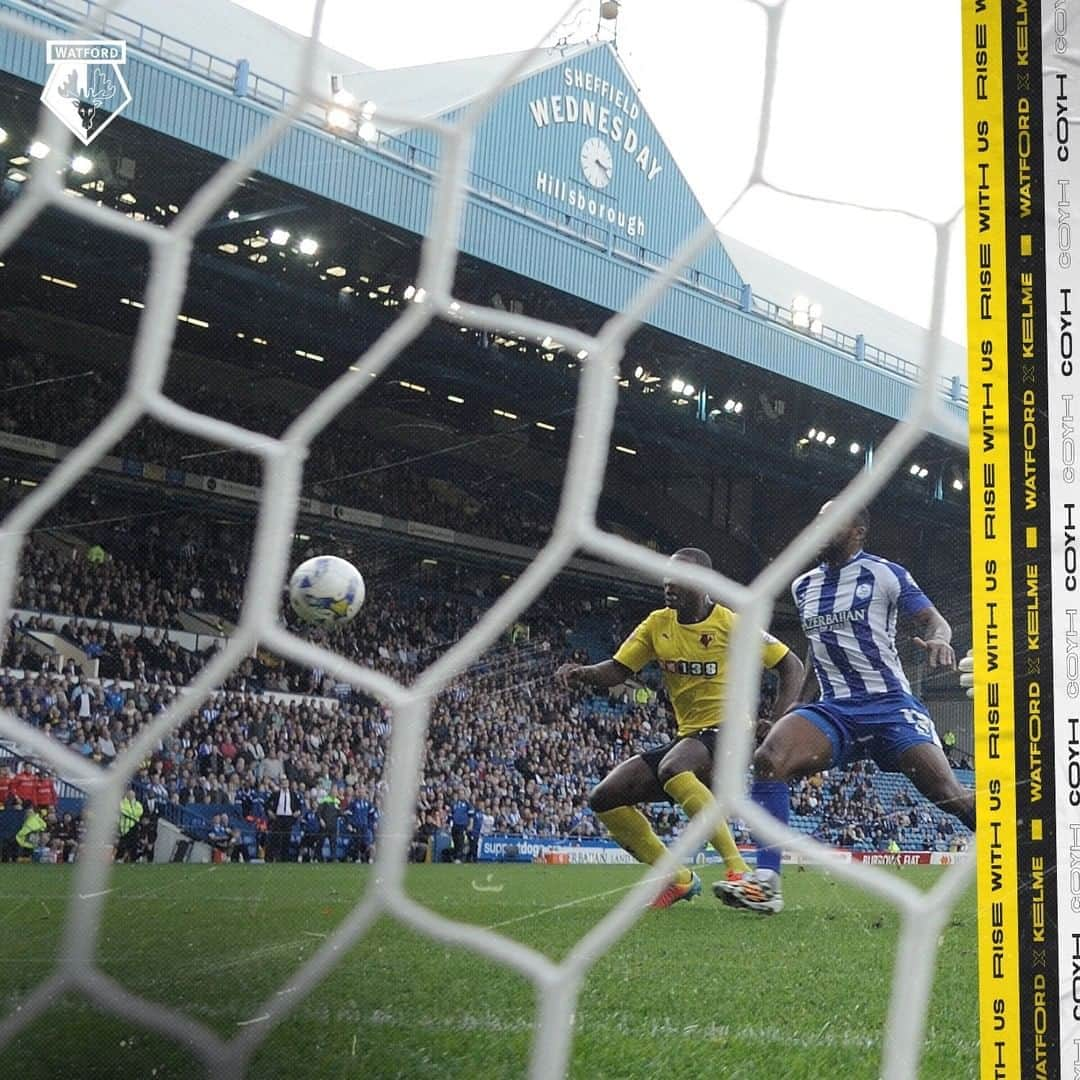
(849, 614)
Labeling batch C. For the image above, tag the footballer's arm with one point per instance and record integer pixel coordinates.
(935, 637)
(604, 675)
(809, 690)
(790, 672)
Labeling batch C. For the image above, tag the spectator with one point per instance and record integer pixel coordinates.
(360, 826)
(66, 834)
(44, 790)
(476, 830)
(421, 847)
(131, 812)
(24, 784)
(329, 811)
(31, 834)
(311, 833)
(222, 838)
(461, 813)
(283, 809)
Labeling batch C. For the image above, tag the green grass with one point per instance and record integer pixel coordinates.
(694, 991)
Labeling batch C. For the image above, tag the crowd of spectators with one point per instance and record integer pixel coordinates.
(43, 834)
(530, 749)
(33, 824)
(134, 572)
(148, 655)
(522, 751)
(847, 808)
(345, 465)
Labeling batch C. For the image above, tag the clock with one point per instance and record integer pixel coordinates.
(596, 162)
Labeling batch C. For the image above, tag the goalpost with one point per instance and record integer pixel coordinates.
(923, 915)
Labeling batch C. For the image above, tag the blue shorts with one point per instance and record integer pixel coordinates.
(880, 727)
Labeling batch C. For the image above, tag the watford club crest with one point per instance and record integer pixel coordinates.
(86, 88)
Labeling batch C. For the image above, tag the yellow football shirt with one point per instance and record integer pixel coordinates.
(693, 659)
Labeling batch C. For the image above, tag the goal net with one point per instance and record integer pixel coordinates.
(924, 915)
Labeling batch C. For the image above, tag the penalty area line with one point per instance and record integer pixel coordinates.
(562, 906)
(622, 1026)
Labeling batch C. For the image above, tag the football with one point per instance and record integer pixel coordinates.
(326, 590)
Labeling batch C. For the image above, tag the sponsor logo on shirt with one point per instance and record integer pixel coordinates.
(705, 669)
(833, 618)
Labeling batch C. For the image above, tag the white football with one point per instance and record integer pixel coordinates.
(326, 590)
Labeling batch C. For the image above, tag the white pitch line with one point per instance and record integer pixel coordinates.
(152, 894)
(659, 1027)
(618, 1024)
(93, 895)
(560, 907)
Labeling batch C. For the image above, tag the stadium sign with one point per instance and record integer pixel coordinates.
(612, 144)
(600, 851)
(86, 88)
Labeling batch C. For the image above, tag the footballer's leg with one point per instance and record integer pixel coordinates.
(613, 801)
(685, 772)
(798, 744)
(929, 770)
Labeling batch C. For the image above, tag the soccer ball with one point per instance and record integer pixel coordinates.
(326, 590)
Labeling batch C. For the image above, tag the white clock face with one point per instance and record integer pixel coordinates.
(596, 162)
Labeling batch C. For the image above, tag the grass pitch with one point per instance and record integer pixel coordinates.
(697, 990)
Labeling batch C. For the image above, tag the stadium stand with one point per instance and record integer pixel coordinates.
(523, 751)
(281, 759)
(344, 464)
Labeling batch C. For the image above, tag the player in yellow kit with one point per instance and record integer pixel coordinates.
(689, 639)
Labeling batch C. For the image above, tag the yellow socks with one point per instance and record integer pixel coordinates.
(693, 796)
(631, 829)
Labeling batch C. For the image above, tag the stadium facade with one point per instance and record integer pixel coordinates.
(573, 114)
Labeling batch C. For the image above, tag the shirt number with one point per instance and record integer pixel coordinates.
(919, 721)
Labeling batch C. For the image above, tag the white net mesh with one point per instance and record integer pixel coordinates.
(923, 915)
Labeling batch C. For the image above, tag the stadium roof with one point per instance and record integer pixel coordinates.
(231, 31)
(782, 282)
(430, 90)
(532, 210)
(436, 90)
(433, 90)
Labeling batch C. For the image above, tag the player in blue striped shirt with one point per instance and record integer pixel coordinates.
(849, 606)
